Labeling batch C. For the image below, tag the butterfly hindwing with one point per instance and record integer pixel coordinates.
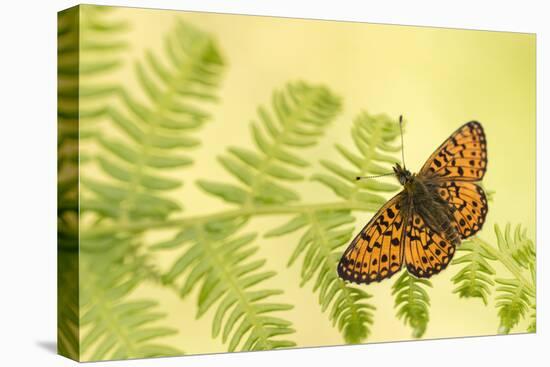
(376, 252)
(468, 204)
(427, 252)
(463, 156)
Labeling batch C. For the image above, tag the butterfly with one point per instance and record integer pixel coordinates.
(423, 224)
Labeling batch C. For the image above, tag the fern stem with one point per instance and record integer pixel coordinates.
(241, 212)
(507, 262)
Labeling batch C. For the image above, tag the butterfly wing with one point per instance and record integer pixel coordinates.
(463, 156)
(454, 167)
(427, 252)
(376, 252)
(468, 205)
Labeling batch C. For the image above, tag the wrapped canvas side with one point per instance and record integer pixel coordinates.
(68, 325)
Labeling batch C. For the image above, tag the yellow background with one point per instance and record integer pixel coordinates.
(437, 78)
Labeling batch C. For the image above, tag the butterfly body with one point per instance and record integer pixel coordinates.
(422, 225)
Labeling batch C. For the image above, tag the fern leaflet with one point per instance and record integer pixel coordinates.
(532, 328)
(412, 302)
(90, 44)
(300, 113)
(134, 166)
(222, 264)
(157, 130)
(475, 278)
(515, 297)
(117, 327)
(321, 248)
(373, 137)
(512, 302)
(519, 247)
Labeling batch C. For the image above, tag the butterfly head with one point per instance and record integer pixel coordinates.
(403, 175)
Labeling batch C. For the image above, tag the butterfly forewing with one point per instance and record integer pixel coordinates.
(463, 156)
(376, 252)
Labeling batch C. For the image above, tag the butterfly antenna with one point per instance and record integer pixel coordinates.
(402, 145)
(367, 177)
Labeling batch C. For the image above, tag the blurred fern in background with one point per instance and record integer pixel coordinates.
(300, 113)
(116, 326)
(84, 33)
(91, 45)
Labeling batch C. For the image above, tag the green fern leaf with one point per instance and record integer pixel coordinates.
(79, 99)
(135, 166)
(513, 302)
(515, 296)
(323, 241)
(298, 118)
(90, 44)
(518, 245)
(321, 249)
(116, 326)
(412, 302)
(68, 321)
(532, 328)
(373, 137)
(156, 129)
(220, 264)
(475, 279)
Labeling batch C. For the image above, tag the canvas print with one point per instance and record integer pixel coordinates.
(233, 183)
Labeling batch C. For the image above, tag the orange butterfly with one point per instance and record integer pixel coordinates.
(422, 225)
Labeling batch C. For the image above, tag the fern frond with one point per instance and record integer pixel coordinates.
(412, 302)
(321, 249)
(513, 302)
(101, 44)
(221, 264)
(515, 296)
(157, 129)
(68, 316)
(116, 326)
(67, 194)
(532, 328)
(373, 137)
(475, 279)
(68, 313)
(519, 246)
(90, 44)
(321, 245)
(299, 115)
